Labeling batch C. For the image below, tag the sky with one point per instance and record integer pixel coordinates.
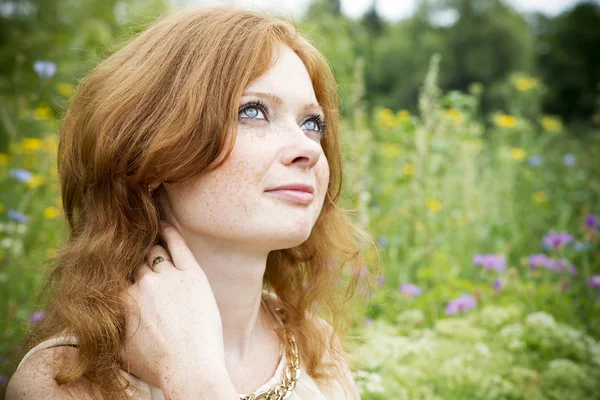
(392, 10)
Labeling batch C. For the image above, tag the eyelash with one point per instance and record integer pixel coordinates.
(263, 107)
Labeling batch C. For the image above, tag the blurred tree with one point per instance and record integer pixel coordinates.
(372, 21)
(568, 60)
(45, 45)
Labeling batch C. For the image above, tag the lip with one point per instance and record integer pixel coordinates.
(301, 187)
(297, 196)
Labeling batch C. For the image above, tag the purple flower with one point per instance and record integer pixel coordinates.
(594, 282)
(3, 379)
(556, 240)
(18, 216)
(380, 280)
(369, 321)
(569, 160)
(537, 260)
(591, 221)
(462, 304)
(44, 69)
(365, 291)
(558, 265)
(22, 175)
(572, 270)
(497, 284)
(410, 289)
(490, 262)
(535, 160)
(36, 317)
(363, 273)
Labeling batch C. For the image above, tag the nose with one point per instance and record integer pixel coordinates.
(301, 149)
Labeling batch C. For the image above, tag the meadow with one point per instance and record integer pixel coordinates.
(487, 225)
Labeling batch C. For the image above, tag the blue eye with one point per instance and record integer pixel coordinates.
(251, 110)
(257, 106)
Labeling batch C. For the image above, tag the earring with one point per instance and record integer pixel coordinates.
(149, 189)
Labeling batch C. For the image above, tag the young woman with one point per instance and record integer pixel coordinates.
(200, 171)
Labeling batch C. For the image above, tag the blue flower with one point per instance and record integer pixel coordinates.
(22, 175)
(535, 160)
(569, 159)
(18, 216)
(383, 240)
(44, 69)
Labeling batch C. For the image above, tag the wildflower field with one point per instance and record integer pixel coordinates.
(488, 283)
(488, 231)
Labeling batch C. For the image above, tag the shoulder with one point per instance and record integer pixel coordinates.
(35, 378)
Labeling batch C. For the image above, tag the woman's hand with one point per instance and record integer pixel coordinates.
(174, 327)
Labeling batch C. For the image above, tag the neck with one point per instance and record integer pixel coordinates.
(235, 274)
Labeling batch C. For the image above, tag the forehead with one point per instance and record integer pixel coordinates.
(287, 78)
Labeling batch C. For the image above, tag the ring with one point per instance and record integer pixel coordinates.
(157, 260)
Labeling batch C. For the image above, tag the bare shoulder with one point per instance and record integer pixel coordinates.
(35, 378)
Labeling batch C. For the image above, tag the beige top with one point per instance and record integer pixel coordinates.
(306, 388)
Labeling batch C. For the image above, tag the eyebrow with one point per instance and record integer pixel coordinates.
(278, 100)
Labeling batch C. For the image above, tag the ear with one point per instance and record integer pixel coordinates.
(155, 185)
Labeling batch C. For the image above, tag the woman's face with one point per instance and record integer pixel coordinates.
(276, 145)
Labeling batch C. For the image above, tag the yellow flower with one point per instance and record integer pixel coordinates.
(1, 207)
(454, 115)
(43, 113)
(552, 124)
(64, 89)
(390, 150)
(403, 115)
(35, 181)
(370, 255)
(517, 153)
(505, 121)
(51, 212)
(525, 84)
(433, 205)
(4, 159)
(408, 169)
(539, 196)
(51, 253)
(31, 144)
(386, 119)
(50, 144)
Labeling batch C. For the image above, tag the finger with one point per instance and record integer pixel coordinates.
(181, 253)
(158, 259)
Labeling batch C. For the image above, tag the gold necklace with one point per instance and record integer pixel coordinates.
(284, 388)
